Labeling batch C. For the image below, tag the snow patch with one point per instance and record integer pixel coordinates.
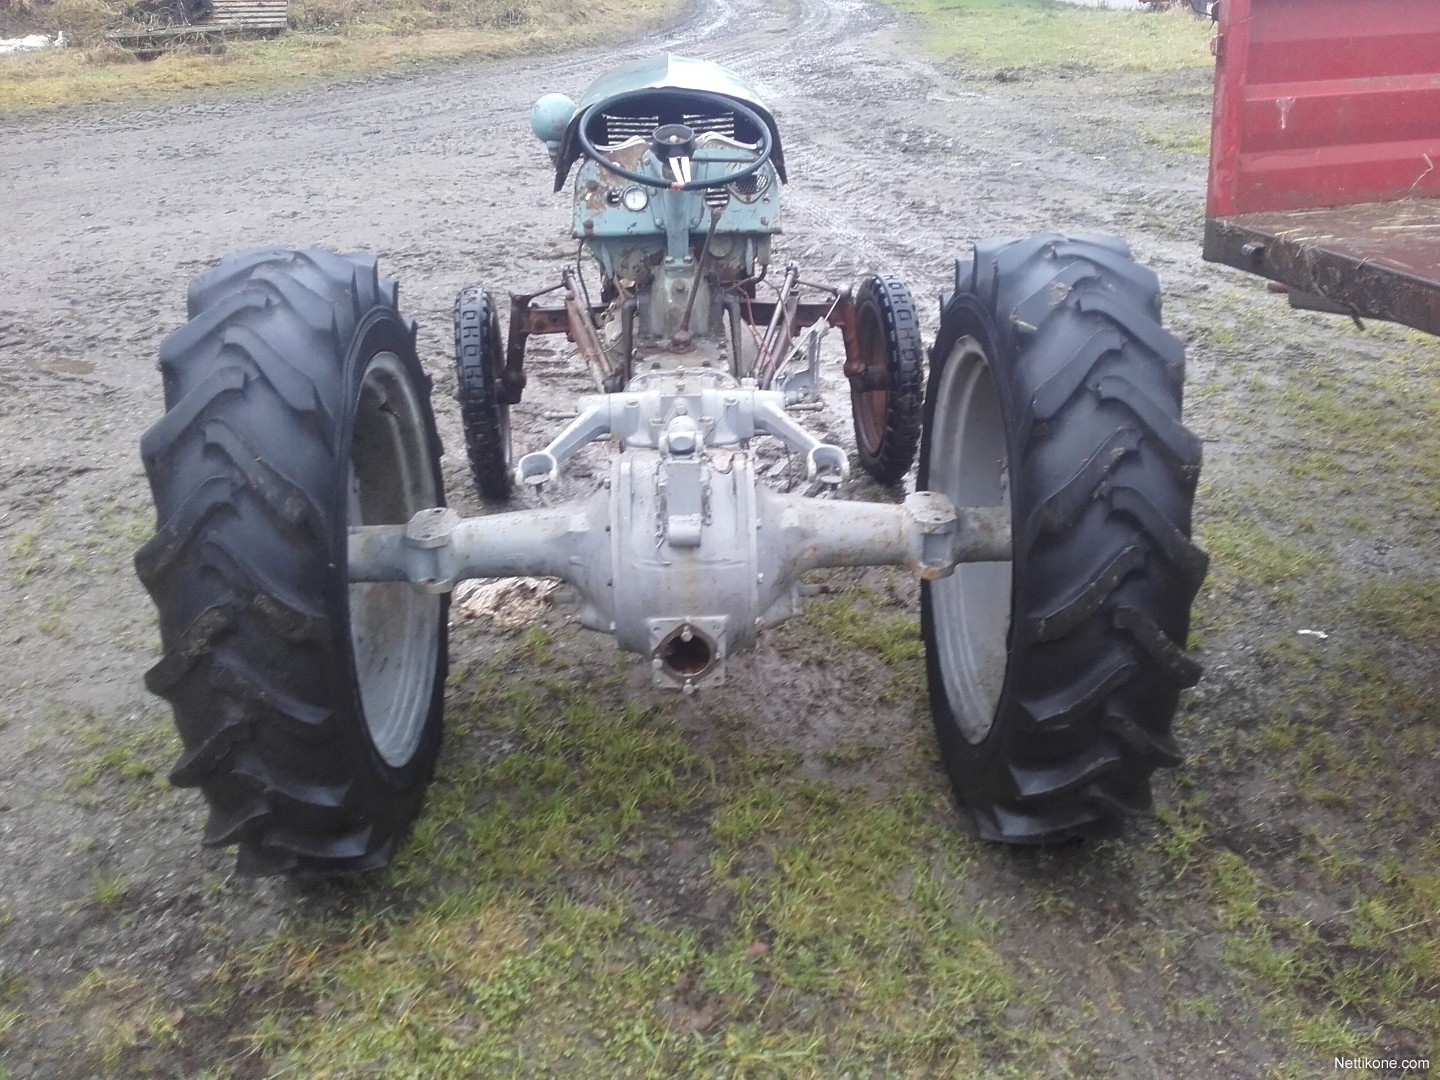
(32, 42)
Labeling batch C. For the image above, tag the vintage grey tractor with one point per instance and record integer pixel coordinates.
(304, 554)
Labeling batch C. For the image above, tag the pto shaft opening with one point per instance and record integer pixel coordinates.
(686, 653)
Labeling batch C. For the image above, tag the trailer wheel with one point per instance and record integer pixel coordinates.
(309, 708)
(1054, 677)
(479, 363)
(887, 421)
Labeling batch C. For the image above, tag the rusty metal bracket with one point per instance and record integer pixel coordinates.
(512, 378)
(581, 322)
(863, 378)
(807, 312)
(526, 320)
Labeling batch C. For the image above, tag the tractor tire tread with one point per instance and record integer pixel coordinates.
(238, 565)
(900, 323)
(1102, 476)
(483, 416)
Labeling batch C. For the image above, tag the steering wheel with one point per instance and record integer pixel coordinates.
(674, 141)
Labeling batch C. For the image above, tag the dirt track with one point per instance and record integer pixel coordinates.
(895, 167)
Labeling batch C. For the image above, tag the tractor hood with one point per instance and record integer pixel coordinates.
(666, 73)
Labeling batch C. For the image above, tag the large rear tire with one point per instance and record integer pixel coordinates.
(1054, 677)
(309, 708)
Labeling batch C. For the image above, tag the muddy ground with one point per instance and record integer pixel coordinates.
(897, 163)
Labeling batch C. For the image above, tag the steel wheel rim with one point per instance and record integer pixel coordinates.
(871, 405)
(971, 609)
(870, 419)
(394, 629)
(497, 382)
(503, 427)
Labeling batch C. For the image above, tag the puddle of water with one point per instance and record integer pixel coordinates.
(62, 366)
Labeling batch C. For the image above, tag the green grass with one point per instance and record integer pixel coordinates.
(537, 923)
(1186, 138)
(117, 1015)
(879, 643)
(1242, 549)
(1359, 425)
(112, 532)
(127, 755)
(53, 623)
(1372, 969)
(859, 619)
(10, 1020)
(1347, 461)
(339, 38)
(1404, 606)
(110, 889)
(1333, 730)
(25, 557)
(480, 982)
(1362, 978)
(1039, 34)
(830, 934)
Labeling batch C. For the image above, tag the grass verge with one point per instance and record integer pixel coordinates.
(339, 43)
(1306, 827)
(1018, 35)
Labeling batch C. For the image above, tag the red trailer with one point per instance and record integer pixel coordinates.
(1325, 153)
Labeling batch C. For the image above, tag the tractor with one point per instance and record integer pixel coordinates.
(304, 553)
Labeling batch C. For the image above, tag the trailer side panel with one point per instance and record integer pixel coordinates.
(1325, 103)
(1325, 153)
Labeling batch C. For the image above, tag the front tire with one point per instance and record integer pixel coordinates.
(887, 420)
(309, 708)
(479, 366)
(1054, 677)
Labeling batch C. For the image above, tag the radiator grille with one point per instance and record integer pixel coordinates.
(620, 128)
(718, 124)
(749, 185)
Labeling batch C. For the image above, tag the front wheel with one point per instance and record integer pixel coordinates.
(1054, 677)
(309, 708)
(479, 370)
(885, 394)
